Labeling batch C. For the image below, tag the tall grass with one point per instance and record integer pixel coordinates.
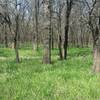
(62, 80)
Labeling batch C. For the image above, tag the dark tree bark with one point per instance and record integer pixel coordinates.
(6, 35)
(60, 48)
(59, 31)
(69, 4)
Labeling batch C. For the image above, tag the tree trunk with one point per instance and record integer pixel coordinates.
(47, 44)
(69, 4)
(96, 52)
(6, 37)
(37, 23)
(47, 50)
(96, 66)
(66, 41)
(60, 48)
(16, 39)
(52, 39)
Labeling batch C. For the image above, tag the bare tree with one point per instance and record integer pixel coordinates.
(37, 4)
(60, 8)
(47, 44)
(69, 4)
(94, 23)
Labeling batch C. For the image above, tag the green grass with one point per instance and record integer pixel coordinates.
(62, 80)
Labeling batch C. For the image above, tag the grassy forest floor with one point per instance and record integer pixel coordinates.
(62, 80)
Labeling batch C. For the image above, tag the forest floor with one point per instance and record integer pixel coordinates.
(62, 80)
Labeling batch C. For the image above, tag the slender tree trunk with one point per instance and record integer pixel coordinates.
(37, 23)
(66, 41)
(60, 48)
(52, 38)
(59, 31)
(16, 39)
(69, 4)
(6, 37)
